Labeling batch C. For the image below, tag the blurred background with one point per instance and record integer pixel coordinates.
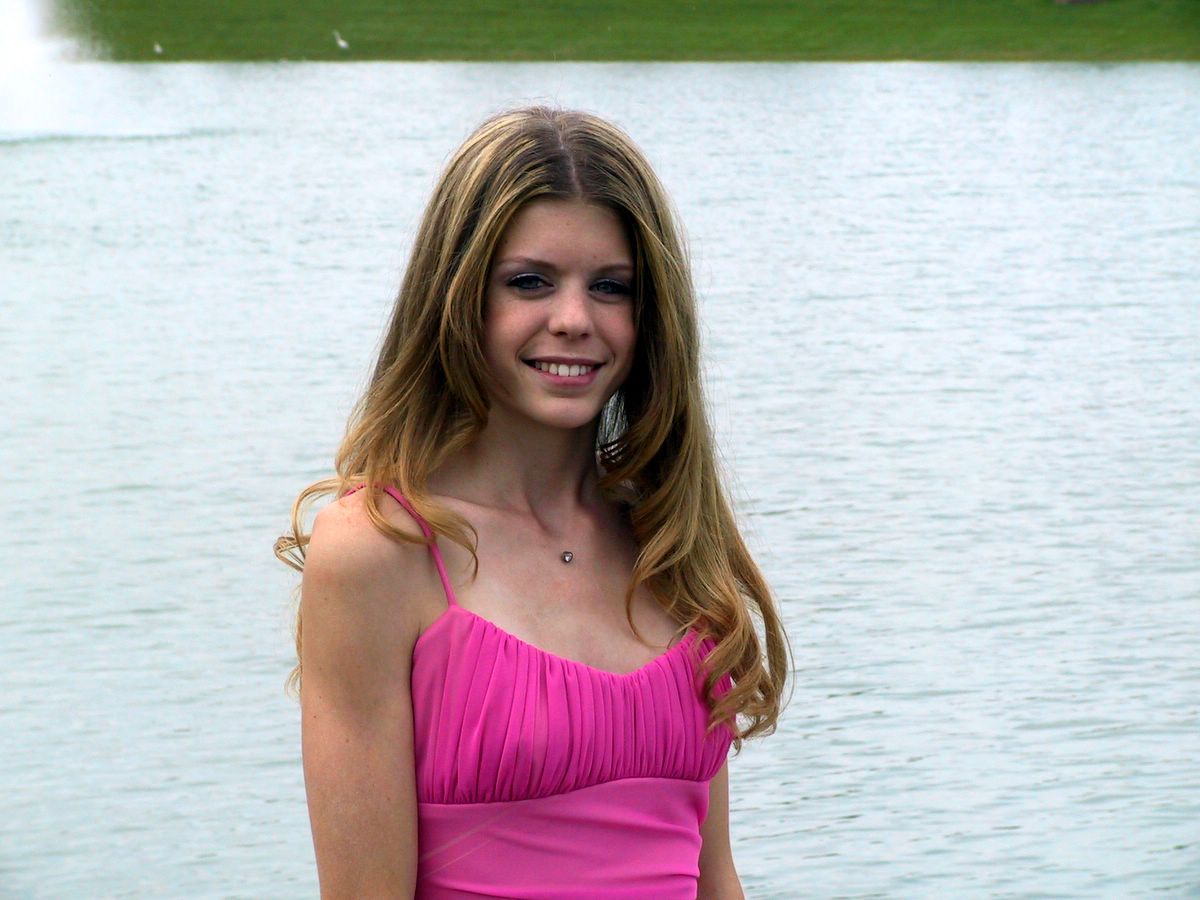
(947, 256)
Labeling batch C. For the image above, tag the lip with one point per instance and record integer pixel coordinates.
(564, 360)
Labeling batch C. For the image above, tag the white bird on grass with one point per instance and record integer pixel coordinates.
(341, 42)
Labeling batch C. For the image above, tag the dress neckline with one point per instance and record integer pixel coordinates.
(492, 627)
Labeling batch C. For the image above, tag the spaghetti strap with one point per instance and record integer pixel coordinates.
(428, 532)
(433, 544)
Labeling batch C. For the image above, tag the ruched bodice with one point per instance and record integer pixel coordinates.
(539, 776)
(496, 718)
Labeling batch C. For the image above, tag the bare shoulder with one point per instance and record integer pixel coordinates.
(362, 604)
(343, 534)
(358, 579)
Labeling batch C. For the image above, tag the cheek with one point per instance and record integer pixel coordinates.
(628, 332)
(499, 334)
(622, 339)
(615, 324)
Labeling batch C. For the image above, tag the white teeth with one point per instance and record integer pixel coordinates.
(562, 369)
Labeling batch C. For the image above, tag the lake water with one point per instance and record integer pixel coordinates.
(952, 335)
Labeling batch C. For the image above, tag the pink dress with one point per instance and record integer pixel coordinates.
(542, 777)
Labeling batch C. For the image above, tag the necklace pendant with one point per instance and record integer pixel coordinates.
(567, 556)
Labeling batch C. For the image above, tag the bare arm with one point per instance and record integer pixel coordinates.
(356, 712)
(718, 876)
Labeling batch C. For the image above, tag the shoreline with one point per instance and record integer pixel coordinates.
(625, 31)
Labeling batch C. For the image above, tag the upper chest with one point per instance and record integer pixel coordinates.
(576, 609)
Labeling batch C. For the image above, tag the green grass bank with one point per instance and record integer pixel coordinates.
(752, 30)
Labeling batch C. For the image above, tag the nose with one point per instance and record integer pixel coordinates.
(571, 311)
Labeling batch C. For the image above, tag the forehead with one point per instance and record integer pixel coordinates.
(565, 231)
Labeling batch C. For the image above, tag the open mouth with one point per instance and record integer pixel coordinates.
(563, 370)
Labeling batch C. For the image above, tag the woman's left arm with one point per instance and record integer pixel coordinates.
(718, 876)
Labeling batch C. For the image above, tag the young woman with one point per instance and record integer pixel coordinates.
(529, 620)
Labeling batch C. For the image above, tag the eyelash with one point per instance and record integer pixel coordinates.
(620, 288)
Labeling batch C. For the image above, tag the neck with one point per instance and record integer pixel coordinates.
(548, 473)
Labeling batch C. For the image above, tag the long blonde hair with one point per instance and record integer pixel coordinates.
(426, 399)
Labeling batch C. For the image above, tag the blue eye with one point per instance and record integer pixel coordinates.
(527, 282)
(612, 286)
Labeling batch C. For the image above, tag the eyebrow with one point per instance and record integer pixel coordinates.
(543, 264)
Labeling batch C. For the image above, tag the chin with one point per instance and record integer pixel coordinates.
(567, 422)
(566, 417)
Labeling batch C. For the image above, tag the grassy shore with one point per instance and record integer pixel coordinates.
(636, 29)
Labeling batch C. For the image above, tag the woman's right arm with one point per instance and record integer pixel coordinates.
(355, 701)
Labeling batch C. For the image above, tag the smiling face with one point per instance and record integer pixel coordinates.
(558, 324)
